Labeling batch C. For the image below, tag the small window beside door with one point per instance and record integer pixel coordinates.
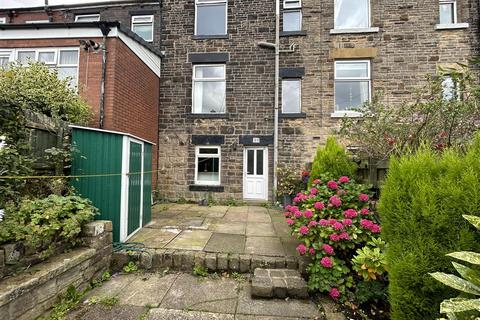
(143, 26)
(207, 165)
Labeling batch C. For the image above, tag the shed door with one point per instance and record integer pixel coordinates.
(134, 187)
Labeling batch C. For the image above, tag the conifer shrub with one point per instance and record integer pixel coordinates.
(421, 207)
(332, 159)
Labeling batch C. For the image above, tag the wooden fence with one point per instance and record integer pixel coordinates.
(373, 172)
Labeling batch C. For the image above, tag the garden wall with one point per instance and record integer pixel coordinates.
(35, 290)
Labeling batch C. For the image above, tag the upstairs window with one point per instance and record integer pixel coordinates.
(448, 12)
(352, 14)
(87, 17)
(5, 58)
(3, 20)
(207, 165)
(291, 96)
(209, 88)
(352, 84)
(210, 17)
(292, 15)
(143, 26)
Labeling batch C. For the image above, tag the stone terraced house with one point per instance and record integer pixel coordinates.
(216, 116)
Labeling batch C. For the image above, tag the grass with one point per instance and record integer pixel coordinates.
(200, 271)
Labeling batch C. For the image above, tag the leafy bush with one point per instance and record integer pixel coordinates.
(469, 284)
(42, 222)
(386, 130)
(332, 159)
(421, 207)
(333, 220)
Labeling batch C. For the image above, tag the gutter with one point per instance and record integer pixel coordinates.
(105, 31)
(275, 113)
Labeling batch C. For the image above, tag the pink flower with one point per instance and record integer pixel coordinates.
(334, 237)
(365, 211)
(350, 214)
(328, 249)
(334, 293)
(313, 191)
(293, 208)
(313, 223)
(308, 214)
(326, 262)
(363, 197)
(288, 207)
(344, 179)
(335, 201)
(303, 230)
(287, 214)
(311, 251)
(290, 222)
(367, 224)
(332, 221)
(317, 181)
(337, 226)
(319, 206)
(296, 199)
(323, 222)
(302, 249)
(347, 222)
(344, 235)
(298, 214)
(376, 228)
(332, 185)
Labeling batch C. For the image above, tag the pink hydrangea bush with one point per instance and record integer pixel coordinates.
(333, 220)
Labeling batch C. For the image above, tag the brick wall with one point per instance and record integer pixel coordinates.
(408, 48)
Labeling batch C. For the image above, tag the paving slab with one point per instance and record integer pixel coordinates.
(268, 246)
(226, 243)
(114, 286)
(241, 216)
(228, 227)
(190, 240)
(259, 217)
(169, 314)
(191, 293)
(282, 229)
(290, 245)
(299, 309)
(154, 237)
(257, 209)
(260, 229)
(100, 312)
(253, 317)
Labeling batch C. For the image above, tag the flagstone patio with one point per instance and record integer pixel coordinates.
(249, 230)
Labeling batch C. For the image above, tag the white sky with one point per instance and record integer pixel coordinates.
(4, 4)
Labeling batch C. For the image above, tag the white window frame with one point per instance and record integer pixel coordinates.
(143, 23)
(8, 54)
(301, 19)
(207, 3)
(454, 2)
(292, 4)
(55, 56)
(37, 21)
(194, 79)
(351, 113)
(300, 95)
(3, 20)
(369, 18)
(219, 156)
(97, 15)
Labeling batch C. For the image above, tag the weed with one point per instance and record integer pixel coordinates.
(66, 303)
(200, 271)
(104, 301)
(130, 267)
(182, 200)
(211, 201)
(238, 277)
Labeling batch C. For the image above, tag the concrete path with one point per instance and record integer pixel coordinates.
(156, 296)
(250, 230)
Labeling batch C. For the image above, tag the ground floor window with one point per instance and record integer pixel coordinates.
(207, 165)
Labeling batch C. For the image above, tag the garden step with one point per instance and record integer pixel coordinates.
(278, 283)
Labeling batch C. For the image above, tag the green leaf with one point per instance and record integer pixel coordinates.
(467, 256)
(456, 283)
(467, 273)
(459, 305)
(473, 220)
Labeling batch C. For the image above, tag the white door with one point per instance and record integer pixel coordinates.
(255, 174)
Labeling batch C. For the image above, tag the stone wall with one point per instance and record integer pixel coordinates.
(405, 49)
(30, 293)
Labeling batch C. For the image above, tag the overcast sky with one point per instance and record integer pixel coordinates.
(36, 3)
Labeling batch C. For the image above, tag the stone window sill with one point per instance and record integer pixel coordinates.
(293, 33)
(220, 36)
(346, 114)
(451, 26)
(207, 115)
(196, 187)
(292, 115)
(355, 30)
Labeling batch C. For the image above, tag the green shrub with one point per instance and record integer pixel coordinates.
(421, 207)
(332, 159)
(41, 222)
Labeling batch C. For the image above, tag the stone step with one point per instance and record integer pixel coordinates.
(278, 283)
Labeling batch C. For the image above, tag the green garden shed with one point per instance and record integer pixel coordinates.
(114, 171)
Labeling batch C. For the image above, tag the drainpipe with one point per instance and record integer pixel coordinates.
(105, 30)
(275, 116)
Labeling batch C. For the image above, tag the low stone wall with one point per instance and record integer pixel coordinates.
(34, 291)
